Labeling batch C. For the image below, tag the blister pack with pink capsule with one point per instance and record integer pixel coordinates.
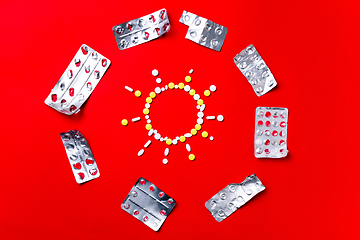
(270, 132)
(78, 81)
(81, 159)
(148, 204)
(141, 30)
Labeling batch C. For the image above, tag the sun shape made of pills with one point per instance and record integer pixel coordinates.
(182, 139)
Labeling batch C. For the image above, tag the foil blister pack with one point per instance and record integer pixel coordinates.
(203, 31)
(81, 159)
(270, 132)
(141, 30)
(148, 204)
(232, 197)
(78, 81)
(255, 70)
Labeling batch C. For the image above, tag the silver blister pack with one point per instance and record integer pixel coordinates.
(204, 31)
(142, 29)
(255, 70)
(228, 200)
(148, 204)
(78, 81)
(81, 159)
(270, 132)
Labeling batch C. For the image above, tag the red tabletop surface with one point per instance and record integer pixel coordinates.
(311, 47)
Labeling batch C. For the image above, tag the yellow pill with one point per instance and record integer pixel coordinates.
(148, 126)
(171, 85)
(124, 122)
(198, 127)
(137, 93)
(149, 100)
(205, 134)
(192, 157)
(182, 139)
(168, 141)
(181, 85)
(193, 131)
(187, 79)
(207, 93)
(152, 95)
(200, 102)
(146, 111)
(192, 92)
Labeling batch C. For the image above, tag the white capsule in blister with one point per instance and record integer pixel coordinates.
(200, 114)
(188, 135)
(165, 161)
(129, 89)
(163, 89)
(151, 131)
(147, 116)
(220, 118)
(174, 141)
(147, 105)
(158, 90)
(148, 121)
(157, 136)
(196, 97)
(213, 88)
(158, 80)
(166, 153)
(202, 107)
(155, 72)
(200, 121)
(187, 88)
(147, 143)
(188, 147)
(141, 152)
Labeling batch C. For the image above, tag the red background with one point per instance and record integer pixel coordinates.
(308, 45)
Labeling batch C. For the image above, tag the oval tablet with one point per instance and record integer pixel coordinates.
(188, 147)
(141, 152)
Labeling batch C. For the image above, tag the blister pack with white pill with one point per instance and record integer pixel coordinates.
(148, 204)
(78, 81)
(81, 159)
(235, 195)
(141, 30)
(270, 132)
(203, 31)
(255, 70)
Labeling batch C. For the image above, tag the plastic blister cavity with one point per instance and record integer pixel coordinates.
(78, 81)
(81, 159)
(141, 30)
(255, 70)
(204, 31)
(148, 204)
(271, 132)
(228, 200)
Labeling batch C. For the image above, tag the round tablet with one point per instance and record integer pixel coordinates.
(187, 88)
(163, 89)
(200, 121)
(211, 138)
(157, 90)
(147, 105)
(147, 116)
(146, 111)
(152, 95)
(193, 131)
(148, 126)
(182, 139)
(187, 79)
(155, 72)
(207, 93)
(137, 93)
(196, 97)
(148, 99)
(171, 85)
(168, 141)
(192, 157)
(124, 122)
(181, 85)
(165, 161)
(176, 86)
(174, 141)
(192, 92)
(200, 114)
(200, 102)
(213, 88)
(157, 136)
(220, 118)
(205, 134)
(158, 80)
(148, 121)
(198, 127)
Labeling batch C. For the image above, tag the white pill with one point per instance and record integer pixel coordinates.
(157, 136)
(158, 90)
(141, 152)
(174, 141)
(210, 117)
(198, 106)
(135, 119)
(165, 161)
(191, 71)
(188, 135)
(213, 88)
(196, 97)
(129, 89)
(200, 121)
(148, 121)
(166, 152)
(158, 80)
(165, 138)
(211, 138)
(147, 144)
(147, 116)
(155, 131)
(187, 88)
(202, 107)
(188, 147)
(161, 139)
(147, 105)
(220, 118)
(163, 89)
(200, 114)
(155, 72)
(166, 87)
(177, 138)
(176, 86)
(151, 132)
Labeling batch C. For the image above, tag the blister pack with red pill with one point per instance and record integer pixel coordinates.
(232, 197)
(81, 159)
(78, 81)
(148, 204)
(253, 67)
(270, 132)
(141, 30)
